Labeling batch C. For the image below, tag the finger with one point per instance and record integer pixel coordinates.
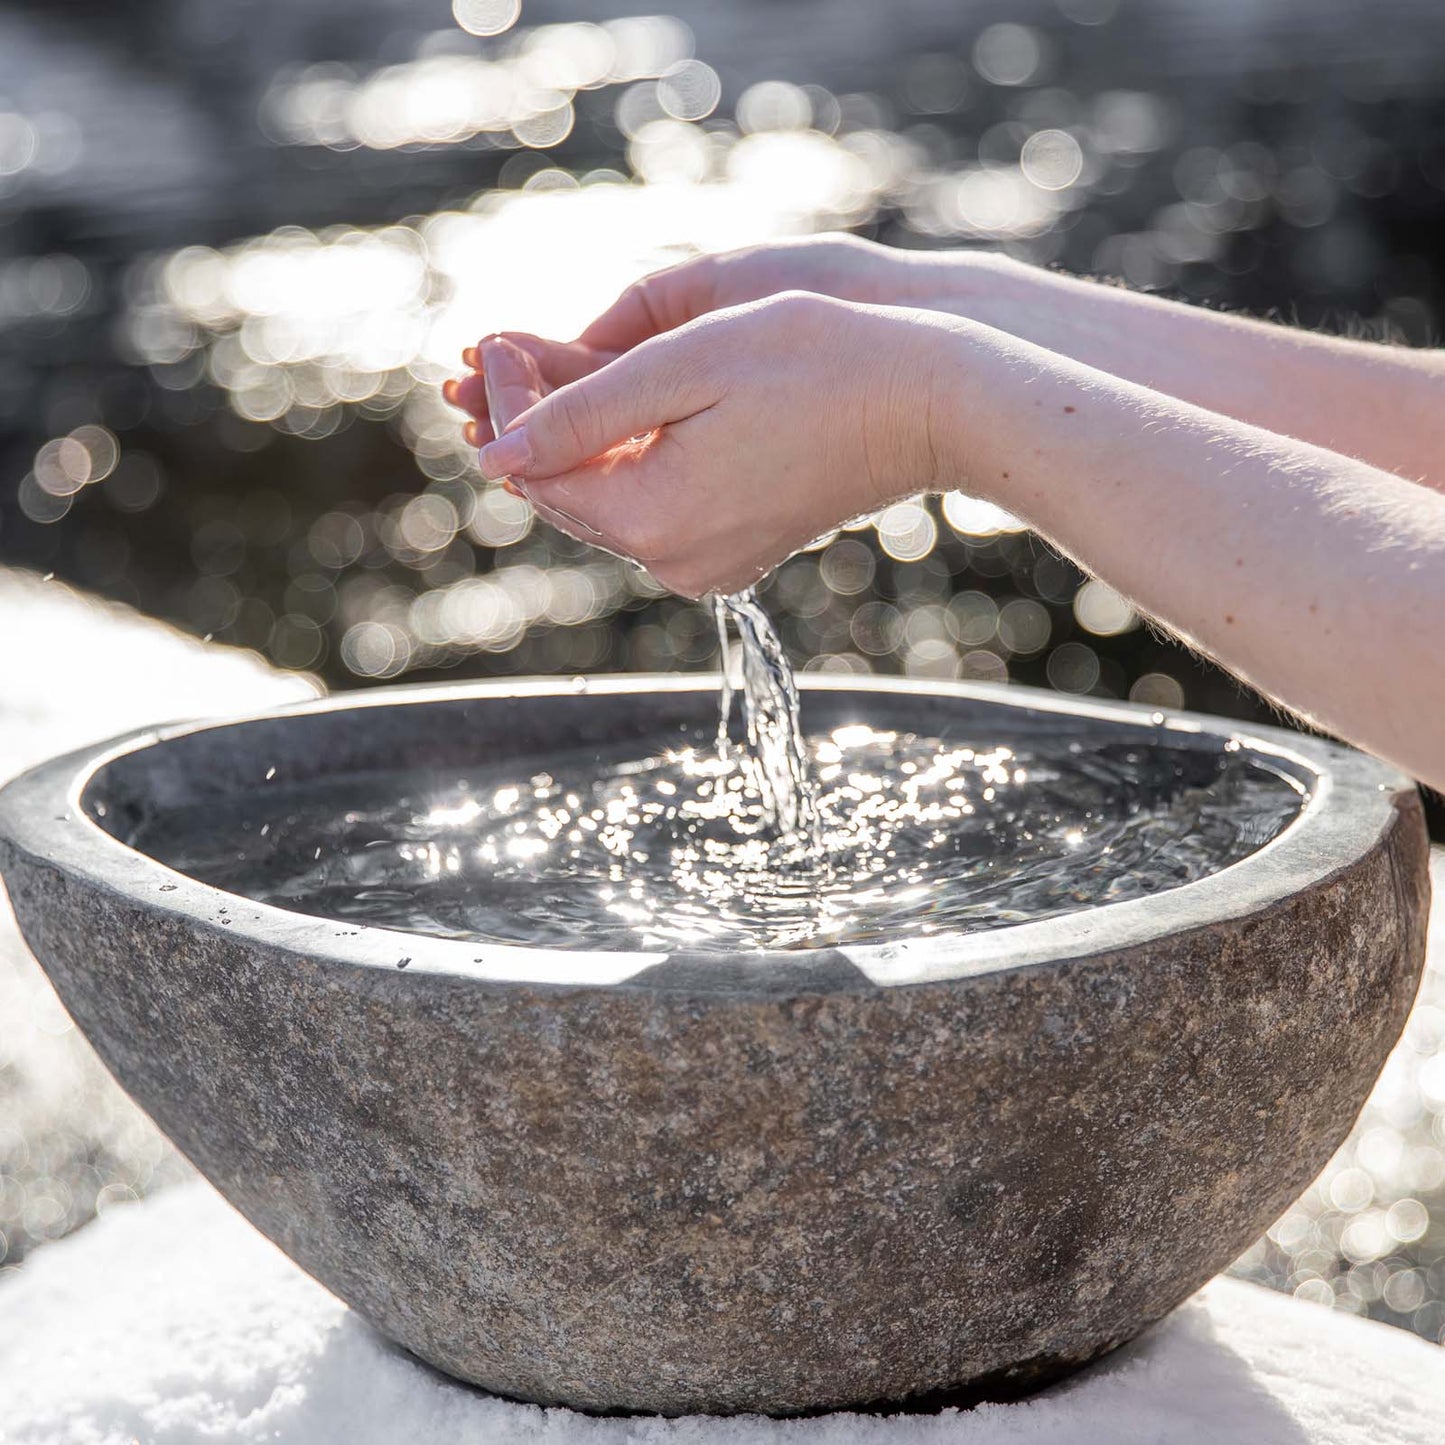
(657, 303)
(661, 381)
(469, 394)
(559, 361)
(511, 381)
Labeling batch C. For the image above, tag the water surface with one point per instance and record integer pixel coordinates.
(678, 850)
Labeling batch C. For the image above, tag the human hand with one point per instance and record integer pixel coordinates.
(510, 373)
(846, 267)
(842, 266)
(715, 450)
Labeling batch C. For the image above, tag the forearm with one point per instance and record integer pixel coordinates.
(1381, 404)
(1318, 579)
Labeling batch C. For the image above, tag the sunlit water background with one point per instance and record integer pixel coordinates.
(241, 246)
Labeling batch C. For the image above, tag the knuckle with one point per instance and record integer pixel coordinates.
(645, 295)
(683, 362)
(797, 310)
(702, 267)
(663, 294)
(697, 368)
(575, 423)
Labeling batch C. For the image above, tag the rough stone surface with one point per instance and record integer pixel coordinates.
(787, 1193)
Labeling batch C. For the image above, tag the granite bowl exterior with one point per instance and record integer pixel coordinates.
(956, 1168)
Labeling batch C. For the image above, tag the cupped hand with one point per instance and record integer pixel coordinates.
(511, 372)
(713, 451)
(842, 266)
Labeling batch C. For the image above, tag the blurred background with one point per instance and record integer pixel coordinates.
(242, 243)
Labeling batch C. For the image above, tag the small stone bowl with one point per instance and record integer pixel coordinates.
(945, 1170)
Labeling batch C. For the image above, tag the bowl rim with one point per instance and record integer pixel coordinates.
(1348, 812)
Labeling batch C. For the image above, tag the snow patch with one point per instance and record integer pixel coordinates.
(173, 1322)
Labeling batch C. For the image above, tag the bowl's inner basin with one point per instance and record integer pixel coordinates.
(657, 843)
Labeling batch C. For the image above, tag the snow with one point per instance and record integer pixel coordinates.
(77, 670)
(173, 1322)
(74, 670)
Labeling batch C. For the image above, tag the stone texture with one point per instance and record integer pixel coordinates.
(683, 1191)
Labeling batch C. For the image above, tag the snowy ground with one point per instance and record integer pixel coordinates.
(173, 1322)
(74, 671)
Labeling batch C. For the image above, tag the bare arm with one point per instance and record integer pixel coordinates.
(1315, 577)
(1381, 404)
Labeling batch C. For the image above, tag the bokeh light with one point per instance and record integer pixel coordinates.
(1369, 1234)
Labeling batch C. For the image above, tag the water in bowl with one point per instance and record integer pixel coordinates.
(677, 850)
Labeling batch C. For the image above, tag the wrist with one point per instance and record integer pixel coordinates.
(946, 398)
(931, 391)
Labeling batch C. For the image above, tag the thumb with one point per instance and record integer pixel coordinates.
(663, 380)
(512, 379)
(657, 303)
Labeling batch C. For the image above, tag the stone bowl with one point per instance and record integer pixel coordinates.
(783, 1182)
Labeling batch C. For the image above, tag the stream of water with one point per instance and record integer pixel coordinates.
(776, 757)
(785, 841)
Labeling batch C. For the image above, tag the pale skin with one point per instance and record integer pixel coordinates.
(1274, 497)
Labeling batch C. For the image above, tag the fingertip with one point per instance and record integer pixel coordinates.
(472, 357)
(451, 390)
(469, 431)
(471, 396)
(509, 455)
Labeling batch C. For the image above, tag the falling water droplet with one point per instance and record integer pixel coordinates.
(777, 756)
